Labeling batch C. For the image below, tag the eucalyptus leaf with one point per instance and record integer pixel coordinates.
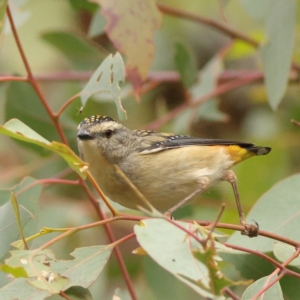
(20, 131)
(97, 25)
(80, 51)
(78, 293)
(106, 79)
(283, 252)
(27, 202)
(273, 292)
(277, 52)
(86, 267)
(21, 290)
(172, 249)
(186, 63)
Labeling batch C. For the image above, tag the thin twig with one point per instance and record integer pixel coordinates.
(215, 223)
(64, 295)
(268, 286)
(223, 28)
(230, 293)
(112, 239)
(222, 89)
(66, 104)
(32, 80)
(295, 122)
(101, 194)
(13, 78)
(264, 256)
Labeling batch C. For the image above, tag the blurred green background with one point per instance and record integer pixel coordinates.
(55, 38)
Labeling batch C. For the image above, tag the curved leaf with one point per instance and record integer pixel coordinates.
(173, 250)
(86, 267)
(274, 292)
(20, 131)
(28, 200)
(106, 79)
(277, 52)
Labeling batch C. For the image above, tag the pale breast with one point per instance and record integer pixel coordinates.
(167, 177)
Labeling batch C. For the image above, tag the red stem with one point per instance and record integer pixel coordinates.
(222, 89)
(112, 239)
(32, 80)
(13, 78)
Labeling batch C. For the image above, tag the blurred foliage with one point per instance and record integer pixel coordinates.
(175, 71)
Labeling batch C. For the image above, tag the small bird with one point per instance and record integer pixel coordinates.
(169, 170)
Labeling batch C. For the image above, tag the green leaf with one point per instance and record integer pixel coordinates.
(257, 8)
(290, 286)
(206, 83)
(86, 267)
(277, 52)
(249, 266)
(171, 248)
(217, 280)
(76, 48)
(163, 284)
(20, 16)
(21, 290)
(207, 78)
(241, 49)
(27, 200)
(274, 212)
(97, 25)
(274, 292)
(130, 27)
(83, 5)
(18, 130)
(14, 271)
(106, 79)
(78, 293)
(38, 266)
(283, 252)
(15, 205)
(54, 284)
(209, 110)
(21, 96)
(186, 63)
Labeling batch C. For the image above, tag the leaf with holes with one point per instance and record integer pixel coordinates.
(86, 267)
(106, 79)
(130, 26)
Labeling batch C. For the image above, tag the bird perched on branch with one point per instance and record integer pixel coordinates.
(168, 170)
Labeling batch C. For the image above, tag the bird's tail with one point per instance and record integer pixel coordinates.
(259, 150)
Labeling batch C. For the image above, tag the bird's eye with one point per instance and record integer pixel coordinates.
(108, 133)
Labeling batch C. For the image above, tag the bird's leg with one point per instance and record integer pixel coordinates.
(203, 183)
(251, 230)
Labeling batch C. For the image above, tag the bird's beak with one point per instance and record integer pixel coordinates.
(83, 134)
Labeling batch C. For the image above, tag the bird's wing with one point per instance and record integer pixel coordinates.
(157, 142)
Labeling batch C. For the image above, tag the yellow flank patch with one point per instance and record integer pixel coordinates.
(238, 153)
